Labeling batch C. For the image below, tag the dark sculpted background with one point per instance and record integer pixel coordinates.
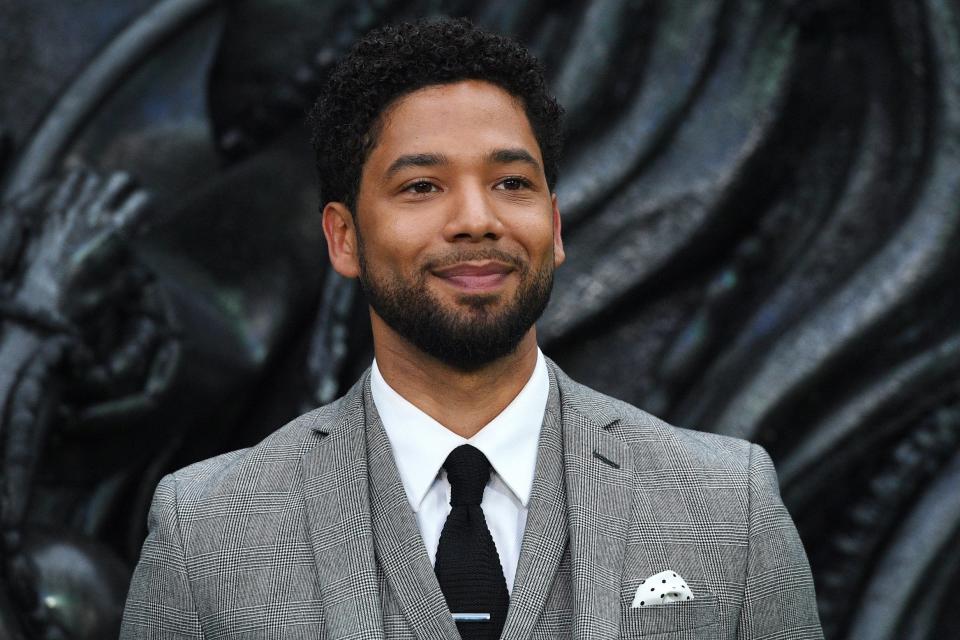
(761, 202)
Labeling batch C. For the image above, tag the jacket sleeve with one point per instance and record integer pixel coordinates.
(160, 603)
(779, 599)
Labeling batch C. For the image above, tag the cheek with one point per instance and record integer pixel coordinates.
(406, 237)
(537, 237)
(396, 249)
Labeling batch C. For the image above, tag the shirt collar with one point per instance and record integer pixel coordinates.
(421, 444)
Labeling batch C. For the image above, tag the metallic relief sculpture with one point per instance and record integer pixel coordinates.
(88, 345)
(761, 202)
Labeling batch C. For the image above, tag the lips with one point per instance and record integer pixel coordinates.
(475, 276)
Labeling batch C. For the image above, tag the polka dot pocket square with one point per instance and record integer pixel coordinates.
(662, 588)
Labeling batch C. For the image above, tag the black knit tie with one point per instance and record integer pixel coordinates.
(468, 567)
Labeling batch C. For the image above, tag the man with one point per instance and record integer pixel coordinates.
(464, 485)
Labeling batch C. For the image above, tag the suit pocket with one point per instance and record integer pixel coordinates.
(700, 613)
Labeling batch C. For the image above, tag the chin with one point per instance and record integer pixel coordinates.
(480, 301)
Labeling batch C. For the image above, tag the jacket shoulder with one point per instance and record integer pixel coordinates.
(642, 429)
(269, 464)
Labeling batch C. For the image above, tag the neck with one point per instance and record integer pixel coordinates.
(463, 402)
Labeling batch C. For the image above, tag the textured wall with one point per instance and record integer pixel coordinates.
(761, 202)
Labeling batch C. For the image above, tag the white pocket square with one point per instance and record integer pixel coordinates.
(660, 588)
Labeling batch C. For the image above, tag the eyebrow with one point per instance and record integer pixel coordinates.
(507, 156)
(499, 156)
(415, 160)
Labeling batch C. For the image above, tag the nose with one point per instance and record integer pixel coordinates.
(473, 217)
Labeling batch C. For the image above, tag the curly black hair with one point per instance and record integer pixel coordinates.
(395, 60)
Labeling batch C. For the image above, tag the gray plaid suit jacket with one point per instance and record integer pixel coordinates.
(309, 535)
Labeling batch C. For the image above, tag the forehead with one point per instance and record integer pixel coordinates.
(471, 116)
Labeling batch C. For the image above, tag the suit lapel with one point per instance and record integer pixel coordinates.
(399, 546)
(357, 514)
(545, 536)
(338, 522)
(599, 479)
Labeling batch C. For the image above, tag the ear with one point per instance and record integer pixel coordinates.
(341, 234)
(558, 255)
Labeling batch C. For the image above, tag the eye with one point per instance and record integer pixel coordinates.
(514, 184)
(421, 186)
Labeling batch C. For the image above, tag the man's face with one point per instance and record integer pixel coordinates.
(457, 231)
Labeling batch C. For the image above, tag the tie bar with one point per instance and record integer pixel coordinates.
(471, 617)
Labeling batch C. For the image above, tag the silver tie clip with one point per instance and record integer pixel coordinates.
(471, 617)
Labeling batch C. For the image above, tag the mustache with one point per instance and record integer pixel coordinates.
(475, 255)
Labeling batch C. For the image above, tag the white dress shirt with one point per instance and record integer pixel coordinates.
(421, 444)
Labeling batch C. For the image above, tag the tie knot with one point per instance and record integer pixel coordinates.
(468, 471)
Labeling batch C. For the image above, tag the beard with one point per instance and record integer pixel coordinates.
(470, 336)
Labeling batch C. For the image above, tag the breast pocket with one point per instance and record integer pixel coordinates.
(697, 619)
